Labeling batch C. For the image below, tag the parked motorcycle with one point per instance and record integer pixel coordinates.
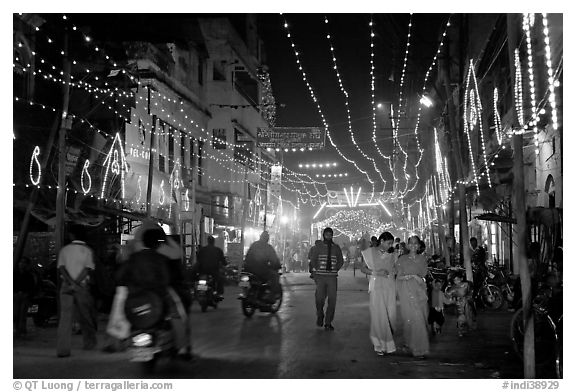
(43, 307)
(256, 294)
(151, 330)
(205, 292)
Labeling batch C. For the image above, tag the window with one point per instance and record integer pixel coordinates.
(243, 149)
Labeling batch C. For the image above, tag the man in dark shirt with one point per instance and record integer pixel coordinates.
(210, 260)
(478, 263)
(262, 261)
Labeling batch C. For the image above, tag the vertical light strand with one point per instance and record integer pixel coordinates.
(416, 128)
(401, 91)
(345, 93)
(34, 162)
(467, 118)
(373, 88)
(526, 22)
(313, 96)
(478, 104)
(497, 120)
(551, 83)
(518, 94)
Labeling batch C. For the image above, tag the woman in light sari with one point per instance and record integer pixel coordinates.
(412, 267)
(382, 288)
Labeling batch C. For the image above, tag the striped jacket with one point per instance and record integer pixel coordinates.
(319, 258)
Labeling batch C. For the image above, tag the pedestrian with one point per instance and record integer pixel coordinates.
(381, 263)
(411, 288)
(25, 287)
(461, 294)
(373, 242)
(210, 261)
(326, 260)
(436, 312)
(310, 252)
(478, 260)
(76, 265)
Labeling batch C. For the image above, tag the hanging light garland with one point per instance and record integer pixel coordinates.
(518, 96)
(373, 89)
(116, 163)
(345, 93)
(419, 114)
(551, 82)
(497, 120)
(313, 96)
(470, 118)
(35, 163)
(527, 21)
(85, 173)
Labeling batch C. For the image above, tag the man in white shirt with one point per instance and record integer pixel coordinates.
(75, 265)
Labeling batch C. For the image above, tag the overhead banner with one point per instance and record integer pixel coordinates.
(287, 138)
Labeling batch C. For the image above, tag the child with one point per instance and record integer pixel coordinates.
(437, 301)
(461, 294)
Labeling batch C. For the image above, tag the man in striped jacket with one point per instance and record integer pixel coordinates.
(325, 261)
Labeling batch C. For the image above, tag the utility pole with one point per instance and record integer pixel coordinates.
(65, 125)
(454, 136)
(520, 212)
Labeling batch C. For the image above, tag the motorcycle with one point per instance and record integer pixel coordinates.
(151, 335)
(43, 307)
(256, 294)
(205, 292)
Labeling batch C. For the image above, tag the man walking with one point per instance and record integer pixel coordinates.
(75, 265)
(325, 261)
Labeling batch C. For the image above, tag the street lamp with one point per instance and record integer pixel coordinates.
(424, 100)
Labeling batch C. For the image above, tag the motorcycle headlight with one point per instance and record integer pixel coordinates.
(142, 340)
(244, 278)
(203, 282)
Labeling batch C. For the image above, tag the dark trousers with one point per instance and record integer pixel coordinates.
(21, 304)
(326, 286)
(77, 304)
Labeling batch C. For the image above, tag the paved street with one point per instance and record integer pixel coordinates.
(288, 345)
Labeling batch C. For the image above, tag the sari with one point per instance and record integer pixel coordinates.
(382, 289)
(413, 299)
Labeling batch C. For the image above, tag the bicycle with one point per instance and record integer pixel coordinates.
(547, 334)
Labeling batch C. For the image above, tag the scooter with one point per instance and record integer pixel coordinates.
(151, 335)
(256, 295)
(43, 307)
(205, 292)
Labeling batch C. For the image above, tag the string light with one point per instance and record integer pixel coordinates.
(428, 72)
(34, 162)
(345, 93)
(313, 96)
(551, 83)
(85, 172)
(139, 185)
(477, 105)
(112, 163)
(373, 89)
(518, 97)
(526, 27)
(468, 119)
(401, 91)
(497, 120)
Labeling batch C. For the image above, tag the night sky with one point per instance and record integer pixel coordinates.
(350, 37)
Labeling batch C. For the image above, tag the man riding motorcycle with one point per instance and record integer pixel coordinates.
(262, 261)
(210, 261)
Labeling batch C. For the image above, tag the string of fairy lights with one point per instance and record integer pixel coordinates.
(92, 90)
(373, 95)
(396, 125)
(315, 99)
(345, 93)
(473, 112)
(419, 111)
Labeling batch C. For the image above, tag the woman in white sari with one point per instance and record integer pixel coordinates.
(381, 261)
